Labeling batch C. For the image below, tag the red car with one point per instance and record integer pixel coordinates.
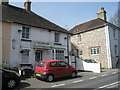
(51, 69)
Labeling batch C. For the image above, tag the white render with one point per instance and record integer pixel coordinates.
(38, 36)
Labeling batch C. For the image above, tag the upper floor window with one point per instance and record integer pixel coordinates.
(80, 52)
(57, 37)
(115, 33)
(116, 50)
(79, 38)
(25, 33)
(95, 51)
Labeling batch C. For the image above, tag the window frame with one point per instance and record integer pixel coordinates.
(79, 38)
(25, 32)
(57, 37)
(95, 51)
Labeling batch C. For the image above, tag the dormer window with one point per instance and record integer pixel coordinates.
(25, 33)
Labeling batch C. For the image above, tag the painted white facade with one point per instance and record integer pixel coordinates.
(112, 40)
(40, 39)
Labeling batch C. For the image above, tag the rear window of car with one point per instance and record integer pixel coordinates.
(41, 64)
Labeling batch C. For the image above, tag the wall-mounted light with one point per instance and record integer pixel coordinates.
(65, 37)
(19, 31)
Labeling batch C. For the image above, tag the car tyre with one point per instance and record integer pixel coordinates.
(74, 74)
(11, 83)
(50, 78)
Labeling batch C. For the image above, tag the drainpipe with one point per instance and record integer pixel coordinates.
(68, 47)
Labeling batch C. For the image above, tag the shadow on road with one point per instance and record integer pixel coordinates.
(22, 85)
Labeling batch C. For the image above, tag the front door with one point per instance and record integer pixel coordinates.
(38, 56)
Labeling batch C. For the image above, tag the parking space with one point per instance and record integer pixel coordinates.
(82, 76)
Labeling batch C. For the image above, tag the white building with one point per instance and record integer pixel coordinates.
(28, 37)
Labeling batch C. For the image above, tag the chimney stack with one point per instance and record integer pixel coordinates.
(102, 14)
(27, 5)
(4, 2)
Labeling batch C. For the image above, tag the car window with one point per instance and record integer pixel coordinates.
(63, 64)
(41, 64)
(53, 64)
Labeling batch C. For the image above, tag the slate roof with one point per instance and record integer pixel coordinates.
(18, 15)
(90, 25)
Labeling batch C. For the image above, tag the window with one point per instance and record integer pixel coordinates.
(57, 37)
(25, 57)
(79, 38)
(95, 51)
(80, 52)
(41, 64)
(115, 33)
(53, 64)
(58, 54)
(63, 64)
(25, 33)
(116, 52)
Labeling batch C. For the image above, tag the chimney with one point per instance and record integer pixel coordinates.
(4, 2)
(102, 14)
(27, 5)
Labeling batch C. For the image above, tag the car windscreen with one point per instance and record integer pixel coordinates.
(41, 64)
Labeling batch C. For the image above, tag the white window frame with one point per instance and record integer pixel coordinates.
(80, 52)
(25, 32)
(79, 38)
(58, 55)
(95, 51)
(57, 37)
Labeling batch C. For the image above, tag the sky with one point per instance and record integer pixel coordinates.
(70, 14)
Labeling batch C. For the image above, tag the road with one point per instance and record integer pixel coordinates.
(109, 79)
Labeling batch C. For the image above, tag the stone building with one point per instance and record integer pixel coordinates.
(98, 40)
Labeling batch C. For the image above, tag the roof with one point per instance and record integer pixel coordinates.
(18, 15)
(88, 25)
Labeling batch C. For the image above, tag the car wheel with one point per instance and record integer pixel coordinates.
(74, 74)
(11, 83)
(50, 78)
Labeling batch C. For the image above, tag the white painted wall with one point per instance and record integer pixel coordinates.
(113, 42)
(36, 34)
(82, 65)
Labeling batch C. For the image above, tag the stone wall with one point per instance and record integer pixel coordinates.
(93, 38)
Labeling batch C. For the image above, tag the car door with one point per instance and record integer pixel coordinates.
(54, 69)
(64, 69)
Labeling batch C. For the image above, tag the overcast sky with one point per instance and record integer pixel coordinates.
(69, 14)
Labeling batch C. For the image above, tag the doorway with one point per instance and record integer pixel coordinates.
(38, 55)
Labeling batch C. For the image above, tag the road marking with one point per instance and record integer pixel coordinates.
(92, 77)
(77, 81)
(113, 86)
(109, 84)
(114, 72)
(104, 75)
(58, 85)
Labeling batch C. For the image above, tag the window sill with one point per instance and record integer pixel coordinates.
(28, 40)
(79, 42)
(56, 43)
